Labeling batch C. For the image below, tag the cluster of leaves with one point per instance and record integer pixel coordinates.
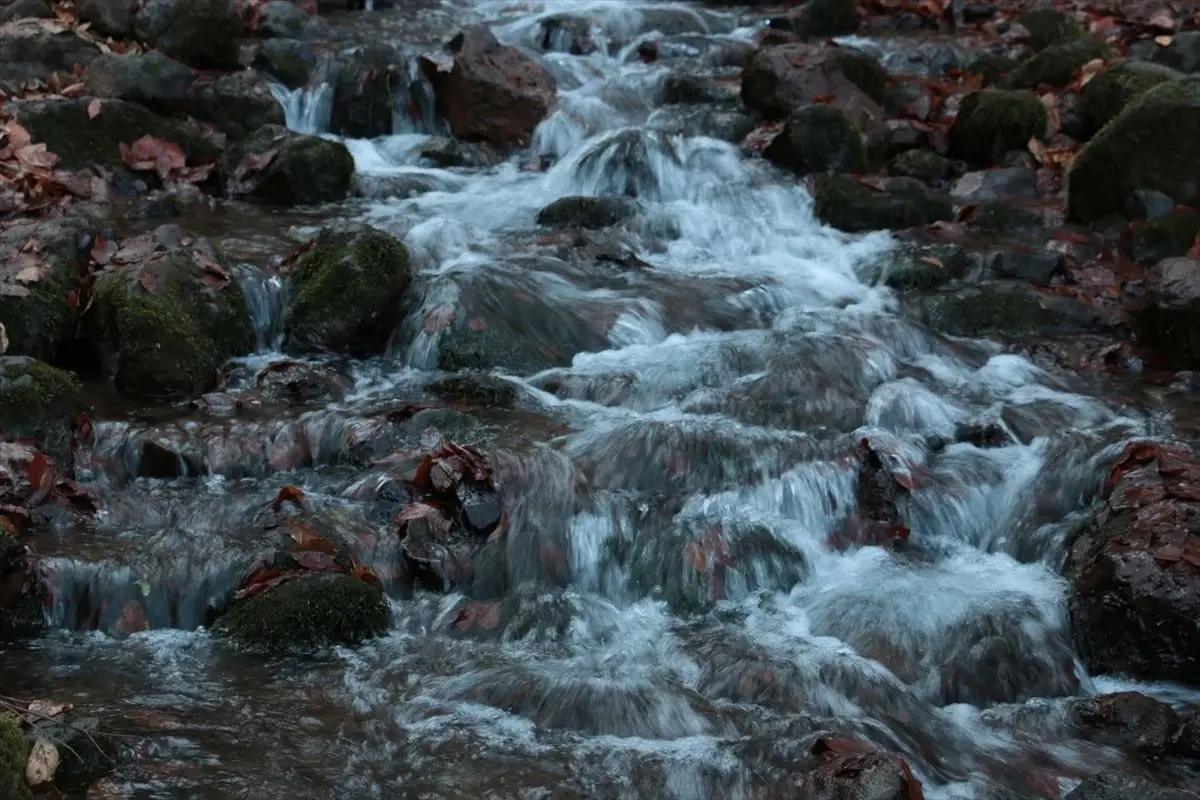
(28, 480)
(1157, 483)
(31, 184)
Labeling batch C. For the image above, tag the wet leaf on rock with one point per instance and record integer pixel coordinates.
(103, 251)
(315, 561)
(43, 762)
(485, 615)
(44, 709)
(288, 494)
(151, 153)
(94, 107)
(1169, 553)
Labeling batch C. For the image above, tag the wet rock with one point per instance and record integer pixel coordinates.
(1001, 183)
(1056, 65)
(1110, 91)
(1153, 144)
(40, 322)
(167, 324)
(22, 9)
(992, 122)
(107, 17)
(1148, 204)
(86, 751)
(1027, 264)
(1170, 236)
(852, 768)
(1001, 308)
(313, 611)
(846, 204)
(1131, 721)
(919, 266)
(902, 136)
(992, 68)
(587, 212)
(39, 402)
(822, 18)
(154, 80)
(275, 165)
(237, 104)
(290, 61)
(81, 140)
(696, 89)
(200, 33)
(566, 33)
(1183, 53)
(348, 286)
(1170, 321)
(1048, 26)
(282, 19)
(301, 382)
(818, 138)
(924, 165)
(28, 51)
(477, 389)
(20, 606)
(447, 152)
(14, 753)
(364, 92)
(1002, 218)
(1134, 587)
(1122, 786)
(492, 92)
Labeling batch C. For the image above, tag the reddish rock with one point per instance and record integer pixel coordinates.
(488, 91)
(846, 767)
(1131, 721)
(1135, 569)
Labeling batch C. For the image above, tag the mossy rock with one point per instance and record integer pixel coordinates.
(200, 33)
(275, 165)
(79, 140)
(846, 204)
(290, 61)
(348, 290)
(924, 165)
(1048, 26)
(1108, 93)
(992, 67)
(463, 347)
(827, 18)
(40, 323)
(587, 212)
(818, 138)
(321, 610)
(166, 329)
(1056, 65)
(865, 72)
(1000, 217)
(992, 122)
(14, 753)
(38, 401)
(1166, 237)
(1004, 309)
(1170, 322)
(237, 104)
(917, 266)
(1153, 144)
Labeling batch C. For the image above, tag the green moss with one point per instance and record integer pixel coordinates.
(924, 165)
(817, 138)
(348, 288)
(865, 72)
(1153, 144)
(992, 122)
(1056, 65)
(992, 67)
(37, 400)
(1166, 237)
(1047, 26)
(14, 753)
(310, 612)
(1108, 93)
(844, 203)
(39, 324)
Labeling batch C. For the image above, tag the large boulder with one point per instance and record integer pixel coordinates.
(492, 92)
(1109, 91)
(845, 203)
(1153, 144)
(165, 325)
(1056, 65)
(107, 17)
(819, 138)
(39, 402)
(1048, 26)
(237, 104)
(364, 91)
(290, 61)
(1134, 569)
(275, 165)
(1001, 308)
(348, 287)
(587, 212)
(1168, 236)
(156, 81)
(1170, 322)
(30, 51)
(200, 33)
(992, 122)
(14, 753)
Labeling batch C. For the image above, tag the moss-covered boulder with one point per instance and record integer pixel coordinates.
(30, 52)
(992, 122)
(237, 104)
(348, 289)
(1000, 308)
(1056, 65)
(275, 165)
(1153, 144)
(1108, 93)
(820, 18)
(14, 753)
(818, 138)
(166, 325)
(200, 33)
(37, 401)
(992, 67)
(156, 81)
(68, 129)
(1004, 219)
(320, 610)
(587, 212)
(1183, 52)
(1170, 323)
(924, 165)
(1048, 26)
(1169, 236)
(846, 204)
(779, 80)
(36, 315)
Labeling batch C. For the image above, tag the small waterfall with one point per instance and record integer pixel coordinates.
(415, 107)
(307, 110)
(368, 5)
(267, 298)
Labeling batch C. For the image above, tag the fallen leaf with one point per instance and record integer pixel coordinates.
(42, 764)
(1162, 20)
(103, 251)
(94, 108)
(18, 137)
(1169, 553)
(315, 561)
(1038, 149)
(36, 156)
(933, 261)
(48, 708)
(147, 281)
(288, 494)
(1163, 41)
(152, 153)
(132, 619)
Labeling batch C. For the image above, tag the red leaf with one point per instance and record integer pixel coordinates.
(288, 494)
(73, 298)
(365, 574)
(315, 561)
(40, 473)
(439, 319)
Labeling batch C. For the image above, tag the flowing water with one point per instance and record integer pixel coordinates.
(708, 369)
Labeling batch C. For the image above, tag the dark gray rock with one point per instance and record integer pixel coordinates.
(236, 104)
(200, 33)
(283, 20)
(290, 61)
(1122, 786)
(156, 81)
(107, 17)
(22, 9)
(587, 212)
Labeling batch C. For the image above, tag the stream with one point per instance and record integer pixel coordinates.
(727, 352)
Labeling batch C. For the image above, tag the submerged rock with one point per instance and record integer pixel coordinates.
(275, 165)
(846, 204)
(200, 33)
(992, 122)
(313, 611)
(587, 212)
(39, 402)
(1170, 322)
(818, 138)
(348, 287)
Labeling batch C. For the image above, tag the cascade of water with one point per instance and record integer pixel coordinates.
(306, 109)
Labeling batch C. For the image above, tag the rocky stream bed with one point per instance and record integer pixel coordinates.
(599, 399)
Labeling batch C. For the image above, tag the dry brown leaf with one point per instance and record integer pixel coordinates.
(36, 156)
(94, 108)
(1038, 149)
(48, 708)
(1163, 41)
(147, 281)
(18, 137)
(1090, 70)
(936, 262)
(42, 764)
(1162, 20)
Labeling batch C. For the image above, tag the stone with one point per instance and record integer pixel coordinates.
(1122, 786)
(1153, 144)
(492, 92)
(1048, 26)
(1170, 322)
(566, 33)
(846, 204)
(1169, 236)
(364, 92)
(825, 18)
(14, 753)
(1005, 219)
(1027, 264)
(107, 17)
(1183, 53)
(587, 212)
(275, 165)
(992, 122)
(200, 33)
(992, 68)
(348, 288)
(152, 79)
(687, 88)
(290, 61)
(282, 19)
(818, 138)
(30, 52)
(1149, 204)
(1001, 183)
(1000, 308)
(1111, 90)
(39, 402)
(237, 104)
(924, 165)
(1131, 721)
(26, 9)
(1056, 65)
